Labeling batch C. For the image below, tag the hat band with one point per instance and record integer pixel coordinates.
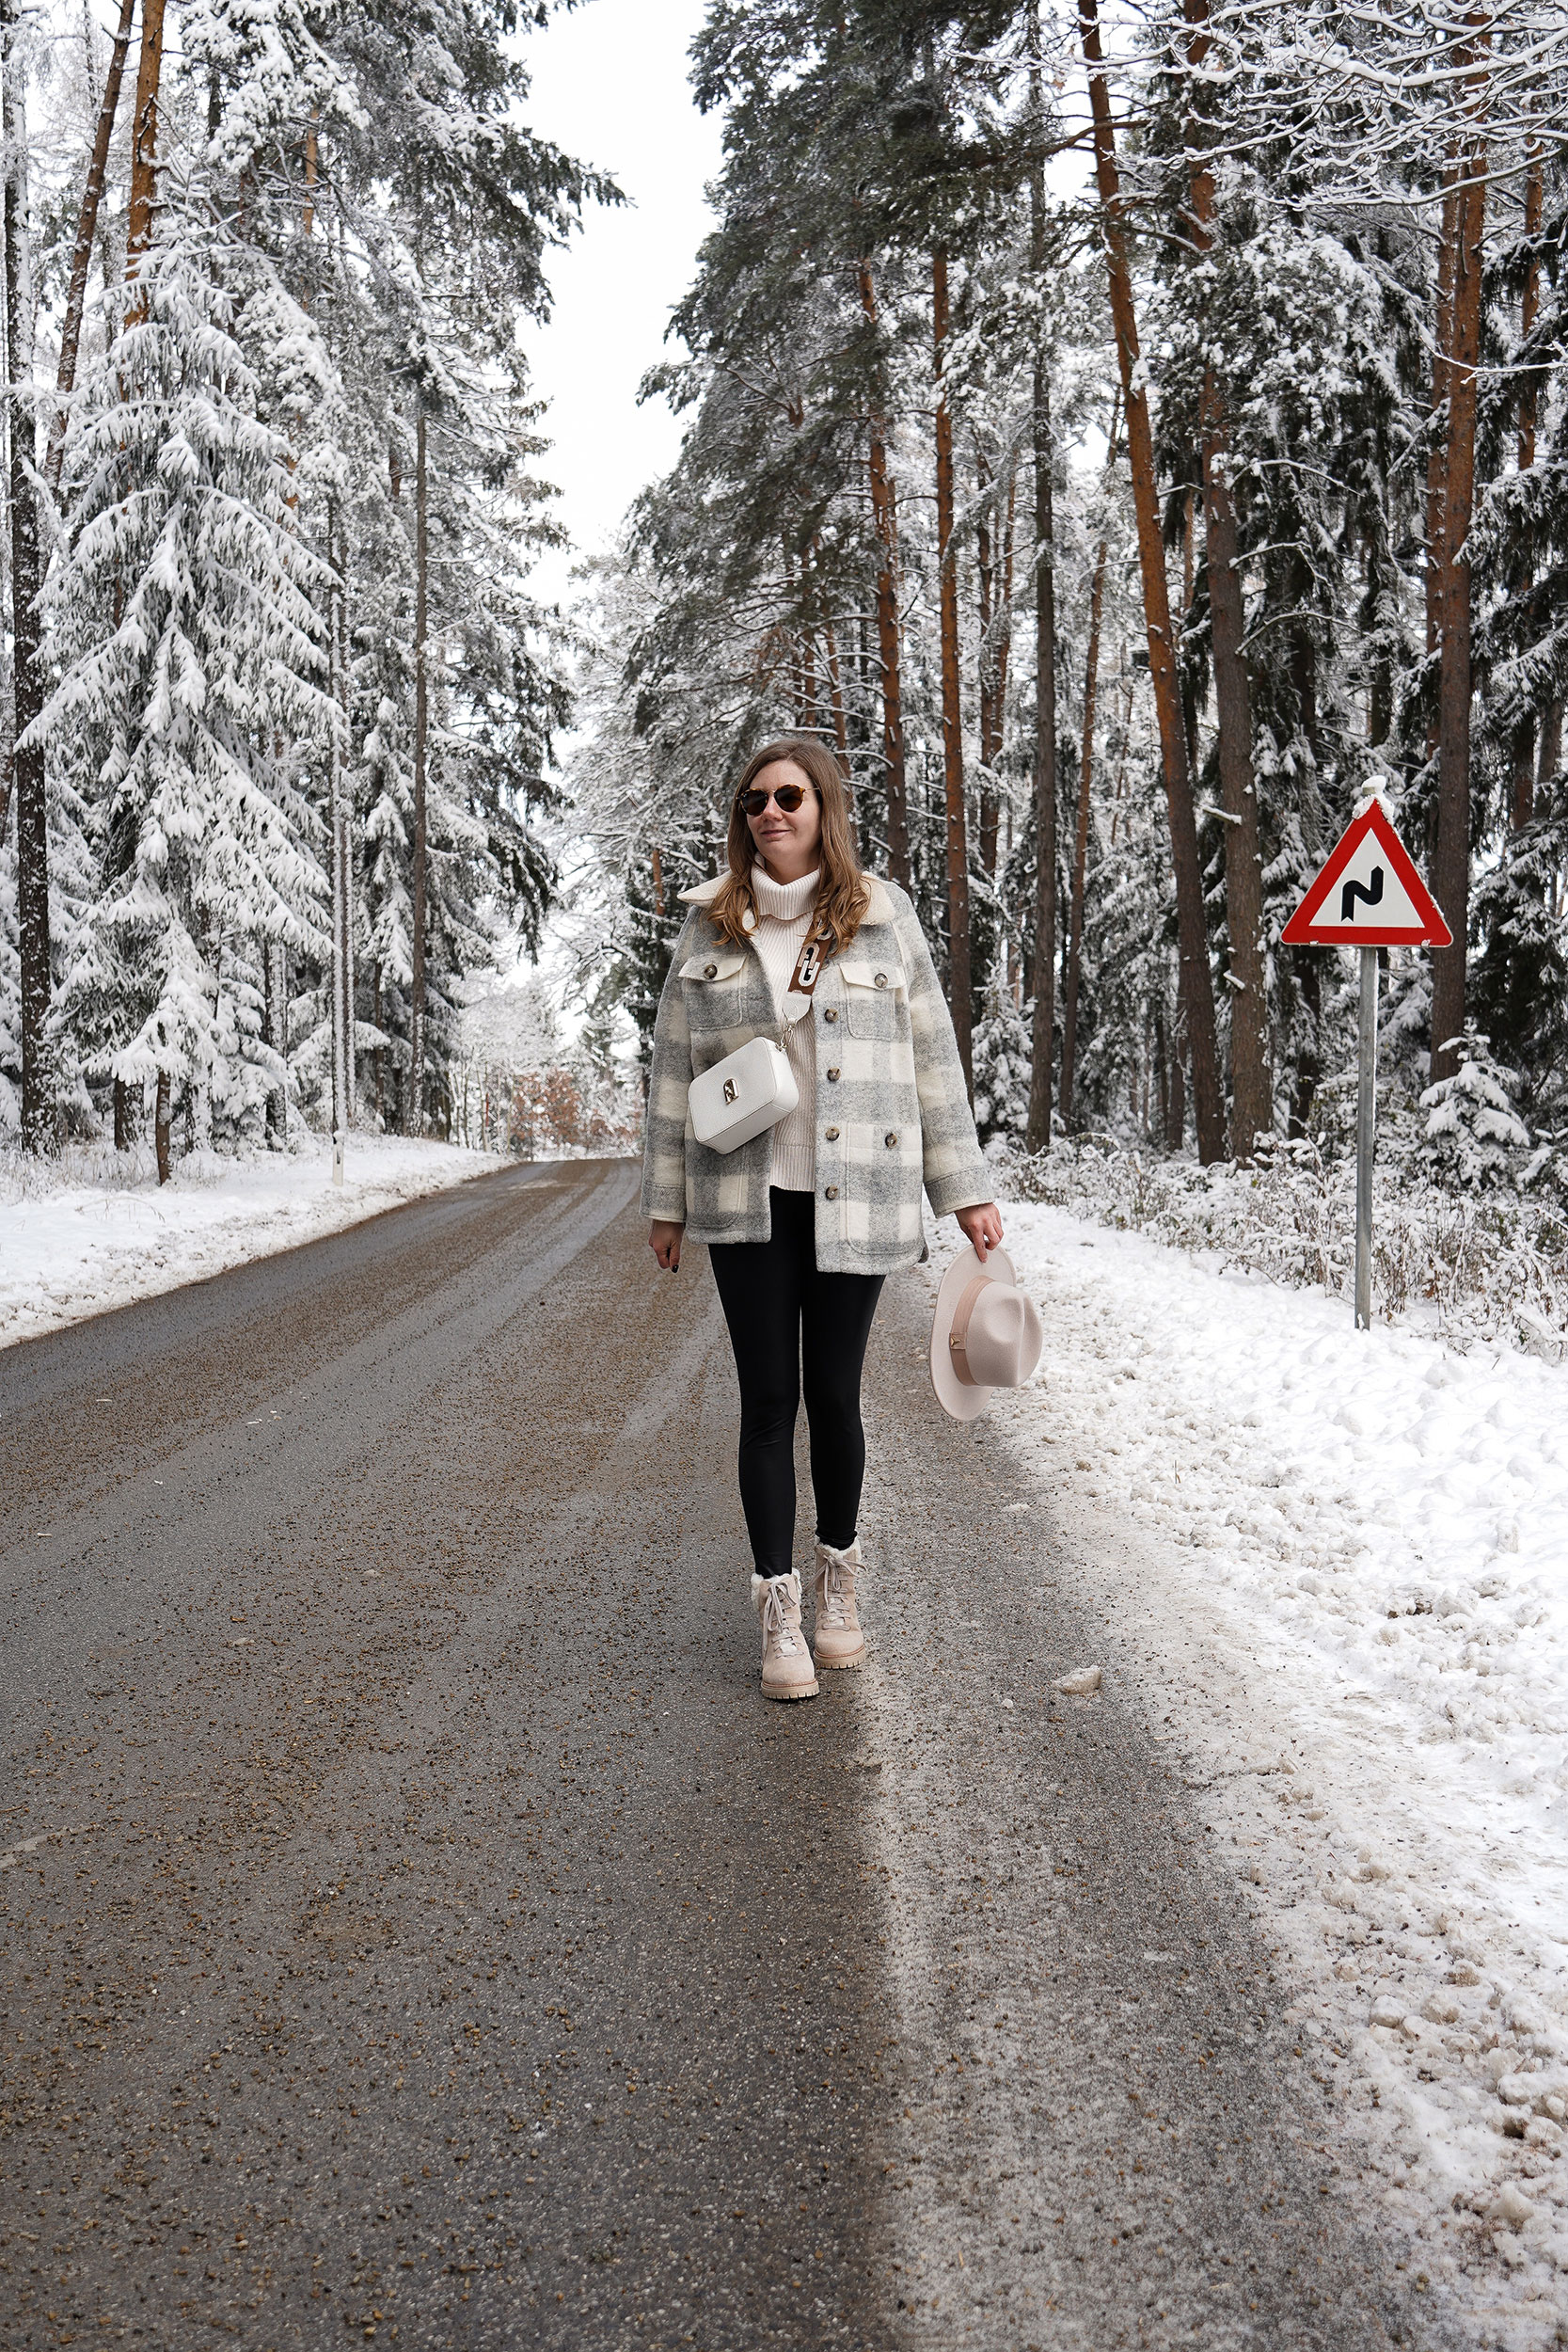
(957, 1337)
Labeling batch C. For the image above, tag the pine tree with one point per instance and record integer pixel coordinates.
(1474, 1138)
(191, 657)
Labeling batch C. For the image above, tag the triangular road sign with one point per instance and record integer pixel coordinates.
(1369, 894)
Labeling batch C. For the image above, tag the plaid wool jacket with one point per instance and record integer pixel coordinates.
(892, 1110)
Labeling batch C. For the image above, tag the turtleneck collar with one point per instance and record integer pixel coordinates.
(784, 902)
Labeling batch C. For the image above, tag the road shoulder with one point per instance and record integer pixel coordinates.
(1109, 2134)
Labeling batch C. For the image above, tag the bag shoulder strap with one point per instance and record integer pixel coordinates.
(812, 959)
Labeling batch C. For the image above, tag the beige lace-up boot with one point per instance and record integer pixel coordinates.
(787, 1671)
(836, 1636)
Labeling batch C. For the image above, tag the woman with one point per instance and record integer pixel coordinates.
(803, 1223)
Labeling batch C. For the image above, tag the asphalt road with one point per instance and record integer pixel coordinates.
(417, 1929)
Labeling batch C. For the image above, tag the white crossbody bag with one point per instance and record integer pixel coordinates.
(754, 1088)
(748, 1091)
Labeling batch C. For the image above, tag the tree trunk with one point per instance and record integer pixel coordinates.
(414, 1102)
(1043, 956)
(1550, 759)
(1308, 966)
(1074, 968)
(1005, 613)
(342, 930)
(990, 731)
(835, 691)
(1522, 797)
(884, 516)
(810, 709)
(1042, 975)
(124, 1124)
(1198, 994)
(1081, 843)
(1252, 1091)
(1162, 1072)
(32, 807)
(379, 1056)
(81, 257)
(1176, 1100)
(952, 714)
(1448, 242)
(275, 968)
(1451, 866)
(161, 1122)
(144, 147)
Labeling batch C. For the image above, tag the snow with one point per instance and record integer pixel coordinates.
(1337, 1564)
(95, 1229)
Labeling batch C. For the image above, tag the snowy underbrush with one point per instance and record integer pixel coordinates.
(96, 1166)
(92, 1227)
(1484, 1267)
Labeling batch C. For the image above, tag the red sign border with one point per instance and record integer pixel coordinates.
(1304, 929)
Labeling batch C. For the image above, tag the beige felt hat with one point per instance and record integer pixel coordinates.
(986, 1334)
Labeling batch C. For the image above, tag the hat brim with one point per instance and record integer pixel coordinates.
(953, 1394)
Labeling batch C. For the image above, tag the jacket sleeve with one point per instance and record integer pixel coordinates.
(669, 1078)
(953, 1165)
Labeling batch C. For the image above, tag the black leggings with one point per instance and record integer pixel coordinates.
(786, 1319)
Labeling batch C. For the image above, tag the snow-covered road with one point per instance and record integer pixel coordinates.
(1341, 1561)
(95, 1230)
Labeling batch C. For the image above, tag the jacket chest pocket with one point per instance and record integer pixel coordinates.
(873, 996)
(711, 983)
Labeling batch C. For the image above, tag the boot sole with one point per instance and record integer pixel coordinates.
(805, 1690)
(827, 1665)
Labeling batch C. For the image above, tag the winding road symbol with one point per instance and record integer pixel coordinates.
(1371, 893)
(1391, 907)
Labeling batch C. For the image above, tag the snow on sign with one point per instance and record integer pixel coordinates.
(1369, 894)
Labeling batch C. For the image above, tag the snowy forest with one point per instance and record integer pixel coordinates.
(275, 681)
(1131, 443)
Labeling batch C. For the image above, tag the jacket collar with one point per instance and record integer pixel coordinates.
(878, 905)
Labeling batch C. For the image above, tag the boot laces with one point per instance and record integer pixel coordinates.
(838, 1585)
(786, 1638)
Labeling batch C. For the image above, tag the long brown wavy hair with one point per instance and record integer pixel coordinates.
(842, 896)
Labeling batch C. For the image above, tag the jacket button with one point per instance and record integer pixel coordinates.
(832, 1073)
(829, 1013)
(829, 1134)
(890, 1141)
(710, 971)
(831, 1193)
(882, 980)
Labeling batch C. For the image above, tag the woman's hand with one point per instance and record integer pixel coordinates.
(981, 1228)
(664, 1240)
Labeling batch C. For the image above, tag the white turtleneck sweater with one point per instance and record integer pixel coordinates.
(784, 917)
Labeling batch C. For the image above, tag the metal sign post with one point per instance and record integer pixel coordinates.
(1365, 1128)
(1368, 895)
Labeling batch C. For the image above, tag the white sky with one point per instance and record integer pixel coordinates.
(610, 86)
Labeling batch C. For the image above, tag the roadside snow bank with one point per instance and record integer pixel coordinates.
(1340, 1560)
(95, 1229)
